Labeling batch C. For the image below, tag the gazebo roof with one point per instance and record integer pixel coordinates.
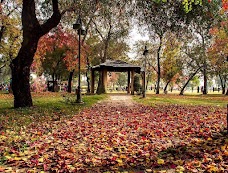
(117, 65)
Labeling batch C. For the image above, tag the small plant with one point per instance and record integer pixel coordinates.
(69, 99)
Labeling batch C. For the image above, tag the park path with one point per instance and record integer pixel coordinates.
(116, 100)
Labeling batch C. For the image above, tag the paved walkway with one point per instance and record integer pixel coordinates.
(116, 100)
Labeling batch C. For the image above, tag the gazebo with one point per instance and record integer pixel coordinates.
(117, 66)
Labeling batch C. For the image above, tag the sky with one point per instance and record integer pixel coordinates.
(135, 36)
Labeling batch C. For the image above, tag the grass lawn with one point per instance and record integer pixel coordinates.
(188, 99)
(47, 107)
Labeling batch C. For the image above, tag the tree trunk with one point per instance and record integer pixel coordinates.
(166, 86)
(190, 78)
(226, 92)
(223, 84)
(69, 87)
(88, 82)
(20, 79)
(100, 87)
(20, 66)
(205, 78)
(159, 67)
(87, 75)
(53, 82)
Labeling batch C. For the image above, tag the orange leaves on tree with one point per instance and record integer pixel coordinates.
(59, 39)
(225, 4)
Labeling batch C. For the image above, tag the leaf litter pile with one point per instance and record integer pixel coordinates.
(121, 139)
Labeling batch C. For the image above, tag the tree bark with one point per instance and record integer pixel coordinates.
(69, 87)
(166, 86)
(223, 84)
(190, 78)
(87, 75)
(159, 67)
(100, 88)
(205, 78)
(20, 66)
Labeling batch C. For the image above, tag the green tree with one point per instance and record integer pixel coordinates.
(201, 19)
(172, 64)
(111, 27)
(122, 79)
(137, 85)
(159, 18)
(218, 53)
(10, 33)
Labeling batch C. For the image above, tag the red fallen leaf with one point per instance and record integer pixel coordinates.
(144, 138)
(114, 158)
(45, 167)
(173, 166)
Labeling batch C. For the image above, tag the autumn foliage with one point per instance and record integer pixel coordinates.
(59, 39)
(108, 138)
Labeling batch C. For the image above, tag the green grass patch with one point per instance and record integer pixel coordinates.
(47, 107)
(194, 100)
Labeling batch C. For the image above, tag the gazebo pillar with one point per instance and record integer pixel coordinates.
(144, 83)
(128, 81)
(104, 75)
(132, 82)
(92, 81)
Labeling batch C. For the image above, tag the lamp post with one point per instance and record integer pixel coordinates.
(78, 26)
(145, 52)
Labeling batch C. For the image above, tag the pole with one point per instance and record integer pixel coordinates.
(79, 100)
(144, 73)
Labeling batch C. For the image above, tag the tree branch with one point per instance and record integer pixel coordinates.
(98, 31)
(53, 21)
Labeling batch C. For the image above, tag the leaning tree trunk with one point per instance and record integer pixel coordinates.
(190, 78)
(166, 86)
(32, 32)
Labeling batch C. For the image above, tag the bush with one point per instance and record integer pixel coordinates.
(137, 85)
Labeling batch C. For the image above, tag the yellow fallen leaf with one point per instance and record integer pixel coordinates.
(212, 168)
(180, 169)
(123, 156)
(119, 160)
(16, 158)
(160, 161)
(41, 159)
(223, 148)
(108, 148)
(8, 157)
(178, 162)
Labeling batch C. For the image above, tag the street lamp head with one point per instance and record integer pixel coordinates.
(78, 23)
(83, 31)
(145, 52)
